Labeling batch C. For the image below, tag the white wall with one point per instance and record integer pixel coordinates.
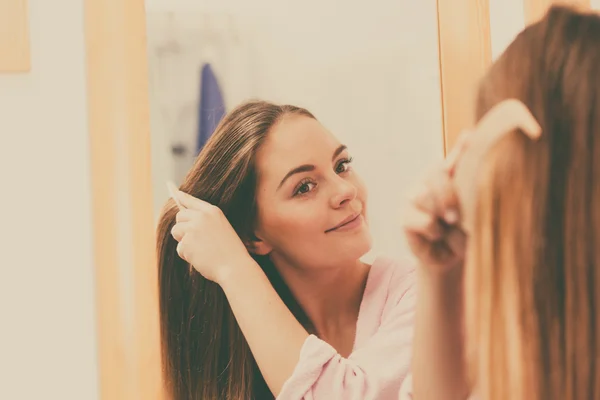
(48, 334)
(370, 74)
(507, 19)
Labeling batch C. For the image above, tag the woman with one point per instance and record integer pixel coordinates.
(274, 223)
(531, 276)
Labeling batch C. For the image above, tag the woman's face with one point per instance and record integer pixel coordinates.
(311, 204)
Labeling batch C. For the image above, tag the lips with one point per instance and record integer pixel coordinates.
(344, 222)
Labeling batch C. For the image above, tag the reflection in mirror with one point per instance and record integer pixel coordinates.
(373, 88)
(371, 76)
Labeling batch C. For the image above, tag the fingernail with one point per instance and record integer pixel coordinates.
(172, 188)
(451, 216)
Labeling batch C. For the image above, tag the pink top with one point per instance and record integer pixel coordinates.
(380, 358)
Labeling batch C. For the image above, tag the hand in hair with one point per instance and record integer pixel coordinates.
(207, 240)
(434, 234)
(431, 219)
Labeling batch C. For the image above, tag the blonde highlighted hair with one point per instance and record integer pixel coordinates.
(532, 281)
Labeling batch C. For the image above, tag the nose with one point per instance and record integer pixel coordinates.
(343, 193)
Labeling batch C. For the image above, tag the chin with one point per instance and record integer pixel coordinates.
(356, 247)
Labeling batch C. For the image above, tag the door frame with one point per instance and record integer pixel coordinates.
(535, 9)
(126, 278)
(465, 54)
(464, 41)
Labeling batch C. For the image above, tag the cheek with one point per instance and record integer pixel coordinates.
(291, 222)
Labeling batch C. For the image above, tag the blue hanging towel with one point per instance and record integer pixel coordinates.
(211, 106)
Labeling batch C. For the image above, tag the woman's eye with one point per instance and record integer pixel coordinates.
(343, 165)
(304, 188)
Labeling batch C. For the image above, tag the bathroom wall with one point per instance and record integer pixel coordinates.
(48, 334)
(507, 19)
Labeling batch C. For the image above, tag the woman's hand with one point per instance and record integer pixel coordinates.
(207, 240)
(431, 219)
(432, 227)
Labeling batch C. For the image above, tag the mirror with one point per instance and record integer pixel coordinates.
(369, 74)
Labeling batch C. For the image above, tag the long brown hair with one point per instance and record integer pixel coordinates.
(205, 355)
(532, 273)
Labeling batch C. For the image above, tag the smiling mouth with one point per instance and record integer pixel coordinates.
(344, 223)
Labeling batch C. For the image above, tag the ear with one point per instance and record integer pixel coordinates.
(258, 246)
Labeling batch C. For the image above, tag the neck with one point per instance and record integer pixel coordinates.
(330, 297)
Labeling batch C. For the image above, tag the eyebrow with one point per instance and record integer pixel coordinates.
(308, 167)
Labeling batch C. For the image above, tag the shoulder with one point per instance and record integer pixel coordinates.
(399, 275)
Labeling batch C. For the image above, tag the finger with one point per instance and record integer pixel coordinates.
(454, 155)
(424, 224)
(507, 116)
(172, 191)
(443, 194)
(441, 254)
(191, 202)
(184, 215)
(180, 251)
(423, 200)
(179, 230)
(418, 244)
(457, 242)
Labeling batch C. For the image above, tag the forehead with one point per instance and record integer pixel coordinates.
(294, 141)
